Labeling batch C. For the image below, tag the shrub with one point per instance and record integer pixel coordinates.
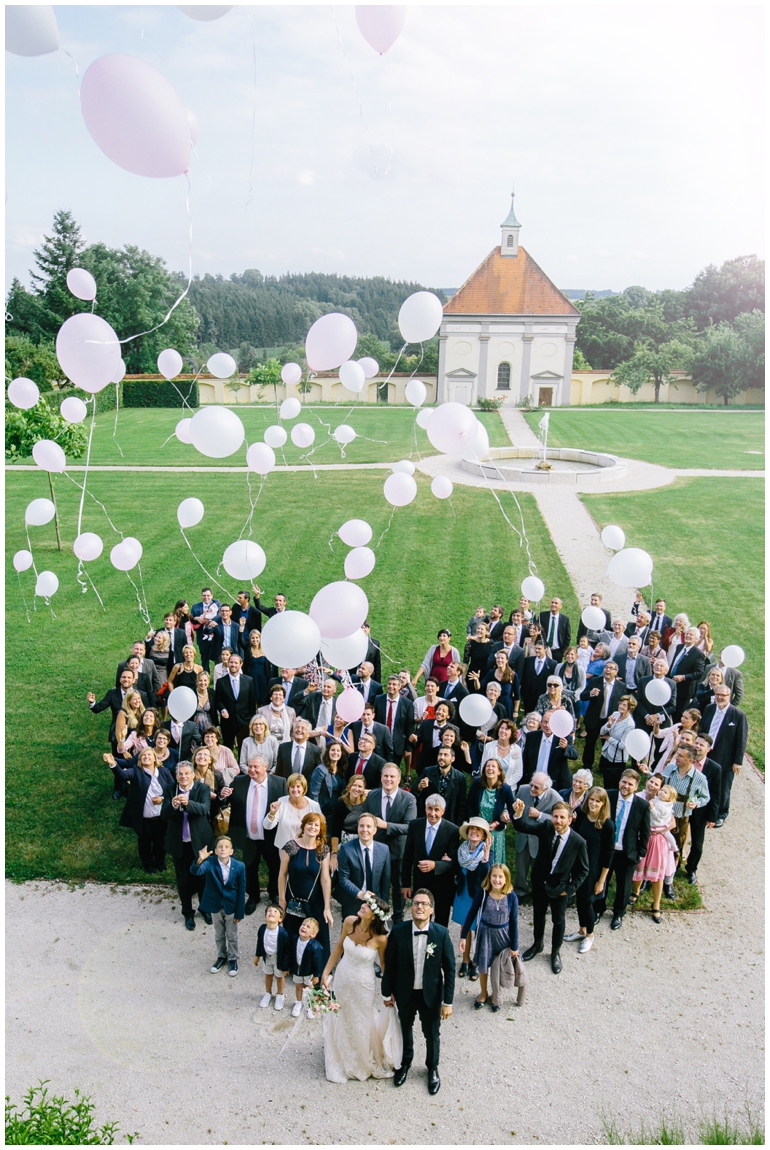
(490, 403)
(160, 393)
(55, 1121)
(23, 429)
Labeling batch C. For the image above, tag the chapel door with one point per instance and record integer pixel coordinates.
(461, 393)
(545, 397)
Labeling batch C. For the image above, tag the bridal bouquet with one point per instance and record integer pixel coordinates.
(319, 1000)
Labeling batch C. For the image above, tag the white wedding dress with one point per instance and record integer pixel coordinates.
(363, 1038)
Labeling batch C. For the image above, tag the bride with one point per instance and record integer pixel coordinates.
(363, 1038)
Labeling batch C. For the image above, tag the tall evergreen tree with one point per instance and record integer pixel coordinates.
(57, 255)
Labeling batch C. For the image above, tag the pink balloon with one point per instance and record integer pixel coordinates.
(562, 724)
(89, 351)
(380, 24)
(350, 705)
(330, 342)
(135, 116)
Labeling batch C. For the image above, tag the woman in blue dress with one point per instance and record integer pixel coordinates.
(305, 878)
(473, 868)
(497, 908)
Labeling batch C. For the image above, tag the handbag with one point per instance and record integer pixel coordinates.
(300, 907)
(222, 820)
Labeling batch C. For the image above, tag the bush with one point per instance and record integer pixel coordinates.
(23, 429)
(160, 393)
(105, 399)
(485, 403)
(55, 1122)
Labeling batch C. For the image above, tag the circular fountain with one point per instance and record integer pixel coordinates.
(555, 465)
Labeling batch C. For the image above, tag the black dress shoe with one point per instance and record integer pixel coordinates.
(190, 922)
(205, 916)
(251, 906)
(718, 823)
(556, 962)
(531, 951)
(693, 878)
(617, 922)
(668, 892)
(399, 1078)
(434, 1082)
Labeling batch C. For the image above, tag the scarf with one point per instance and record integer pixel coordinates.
(467, 858)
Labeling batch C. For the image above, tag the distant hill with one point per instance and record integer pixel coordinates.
(580, 293)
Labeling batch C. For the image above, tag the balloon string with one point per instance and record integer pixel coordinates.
(142, 609)
(29, 545)
(384, 68)
(254, 108)
(144, 593)
(203, 569)
(387, 529)
(364, 124)
(184, 398)
(79, 575)
(72, 58)
(96, 501)
(82, 571)
(451, 504)
(115, 428)
(200, 161)
(23, 599)
(523, 537)
(395, 365)
(88, 459)
(253, 503)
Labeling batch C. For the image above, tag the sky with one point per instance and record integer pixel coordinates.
(633, 136)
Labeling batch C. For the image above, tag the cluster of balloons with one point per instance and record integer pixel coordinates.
(359, 562)
(453, 428)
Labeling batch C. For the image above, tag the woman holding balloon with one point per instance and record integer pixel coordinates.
(613, 734)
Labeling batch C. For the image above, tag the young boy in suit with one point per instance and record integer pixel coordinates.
(224, 897)
(307, 962)
(274, 948)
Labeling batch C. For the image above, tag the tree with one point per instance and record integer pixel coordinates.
(579, 361)
(719, 294)
(656, 363)
(267, 372)
(245, 357)
(36, 361)
(730, 358)
(751, 329)
(58, 254)
(28, 315)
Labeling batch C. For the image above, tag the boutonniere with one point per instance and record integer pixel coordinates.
(430, 949)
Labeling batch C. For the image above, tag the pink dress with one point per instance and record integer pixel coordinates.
(655, 864)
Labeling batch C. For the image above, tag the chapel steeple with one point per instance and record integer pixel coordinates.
(509, 240)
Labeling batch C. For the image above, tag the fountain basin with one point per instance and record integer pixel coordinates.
(569, 466)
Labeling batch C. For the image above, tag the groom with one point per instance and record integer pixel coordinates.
(420, 978)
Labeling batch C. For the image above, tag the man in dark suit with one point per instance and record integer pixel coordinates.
(686, 668)
(453, 689)
(596, 601)
(603, 698)
(496, 623)
(319, 708)
(186, 812)
(363, 865)
(243, 609)
(534, 676)
(373, 653)
(393, 810)
(268, 612)
(383, 740)
(365, 684)
(114, 700)
(631, 815)
(294, 687)
(236, 698)
(184, 737)
(365, 762)
(444, 779)
(659, 620)
(397, 713)
(227, 633)
(647, 715)
(513, 650)
(632, 666)
(419, 978)
(519, 626)
(557, 630)
(707, 816)
(729, 729)
(205, 616)
(560, 866)
(251, 797)
(148, 679)
(544, 751)
(298, 756)
(639, 628)
(430, 856)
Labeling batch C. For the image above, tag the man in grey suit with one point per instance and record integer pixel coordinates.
(632, 666)
(540, 796)
(363, 865)
(393, 810)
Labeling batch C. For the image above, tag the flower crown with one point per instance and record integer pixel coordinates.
(370, 900)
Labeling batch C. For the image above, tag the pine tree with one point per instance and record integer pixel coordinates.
(57, 255)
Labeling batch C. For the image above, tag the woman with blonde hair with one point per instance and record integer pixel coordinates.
(143, 734)
(259, 742)
(149, 780)
(286, 813)
(497, 908)
(593, 823)
(706, 643)
(129, 718)
(492, 799)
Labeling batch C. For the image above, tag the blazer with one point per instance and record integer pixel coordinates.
(593, 712)
(583, 630)
(372, 769)
(446, 842)
(147, 681)
(642, 670)
(503, 801)
(253, 620)
(283, 765)
(693, 666)
(219, 639)
(557, 768)
(642, 635)
(455, 794)
(636, 836)
(479, 899)
(351, 871)
(198, 807)
(402, 812)
(644, 707)
(312, 959)
(321, 788)
(661, 625)
(572, 867)
(114, 700)
(438, 975)
(384, 739)
(532, 684)
(283, 953)
(132, 814)
(375, 688)
(732, 677)
(456, 695)
(240, 710)
(730, 745)
(309, 707)
(544, 803)
(218, 895)
(427, 754)
(191, 738)
(563, 630)
(713, 772)
(403, 722)
(237, 829)
(296, 690)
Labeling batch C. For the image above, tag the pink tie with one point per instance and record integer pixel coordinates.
(254, 825)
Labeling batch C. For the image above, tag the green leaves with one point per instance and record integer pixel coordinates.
(23, 429)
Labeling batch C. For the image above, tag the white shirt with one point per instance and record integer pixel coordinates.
(225, 868)
(607, 695)
(624, 819)
(562, 843)
(271, 940)
(256, 791)
(176, 731)
(300, 949)
(553, 620)
(716, 722)
(419, 944)
(297, 757)
(151, 809)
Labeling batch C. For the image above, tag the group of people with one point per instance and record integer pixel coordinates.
(412, 803)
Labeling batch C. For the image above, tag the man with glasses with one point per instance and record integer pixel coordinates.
(729, 729)
(539, 797)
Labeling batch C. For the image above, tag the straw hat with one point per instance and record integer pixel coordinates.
(482, 824)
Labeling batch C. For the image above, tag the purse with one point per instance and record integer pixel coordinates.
(300, 907)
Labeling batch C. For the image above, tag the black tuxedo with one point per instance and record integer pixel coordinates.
(402, 811)
(563, 633)
(644, 707)
(383, 739)
(532, 684)
(496, 630)
(456, 695)
(372, 769)
(403, 722)
(191, 738)
(661, 626)
(692, 665)
(351, 871)
(283, 765)
(558, 760)
(729, 748)
(636, 837)
(255, 849)
(240, 711)
(147, 681)
(583, 630)
(438, 986)
(297, 687)
(427, 753)
(455, 792)
(631, 631)
(186, 853)
(554, 887)
(440, 880)
(593, 718)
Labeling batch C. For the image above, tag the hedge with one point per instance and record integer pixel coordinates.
(105, 399)
(160, 393)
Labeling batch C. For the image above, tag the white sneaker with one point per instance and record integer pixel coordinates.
(279, 1002)
(309, 1013)
(296, 1010)
(574, 936)
(585, 945)
(265, 1000)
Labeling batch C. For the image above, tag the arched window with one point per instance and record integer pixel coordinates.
(504, 376)
(510, 241)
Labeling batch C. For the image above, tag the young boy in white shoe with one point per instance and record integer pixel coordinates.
(274, 951)
(224, 897)
(307, 962)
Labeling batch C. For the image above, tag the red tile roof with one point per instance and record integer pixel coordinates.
(509, 285)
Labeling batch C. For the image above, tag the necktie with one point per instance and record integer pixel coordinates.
(360, 766)
(538, 665)
(552, 631)
(429, 838)
(368, 868)
(388, 805)
(677, 660)
(390, 715)
(295, 759)
(236, 686)
(605, 704)
(185, 827)
(254, 824)
(619, 817)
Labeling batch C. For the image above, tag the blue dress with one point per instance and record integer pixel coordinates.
(498, 920)
(305, 882)
(468, 882)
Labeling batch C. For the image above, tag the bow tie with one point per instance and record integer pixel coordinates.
(414, 932)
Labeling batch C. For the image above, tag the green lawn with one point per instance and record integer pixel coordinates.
(385, 434)
(435, 565)
(714, 439)
(709, 561)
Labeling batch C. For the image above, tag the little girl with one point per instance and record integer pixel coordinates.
(659, 864)
(584, 652)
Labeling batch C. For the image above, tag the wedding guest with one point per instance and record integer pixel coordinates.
(344, 823)
(149, 783)
(185, 810)
(259, 742)
(304, 880)
(504, 748)
(274, 951)
(497, 909)
(280, 718)
(224, 898)
(287, 812)
(594, 825)
(307, 961)
(582, 781)
(393, 809)
(492, 799)
(430, 856)
(614, 733)
(654, 867)
(472, 868)
(438, 658)
(327, 780)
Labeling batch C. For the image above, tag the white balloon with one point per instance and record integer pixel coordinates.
(403, 467)
(291, 373)
(47, 584)
(593, 618)
(244, 559)
(380, 24)
(195, 127)
(73, 410)
(124, 556)
(399, 489)
(358, 564)
(182, 430)
(205, 12)
(331, 340)
(452, 428)
(216, 432)
(49, 456)
(562, 724)
(38, 512)
(631, 567)
(352, 376)
(290, 639)
(370, 366)
(23, 392)
(344, 434)
(189, 512)
(345, 653)
(339, 609)
(442, 487)
(119, 372)
(260, 458)
(169, 363)
(290, 408)
(614, 538)
(88, 546)
(182, 703)
(658, 692)
(424, 416)
(479, 448)
(23, 560)
(637, 744)
(222, 365)
(420, 317)
(81, 283)
(475, 710)
(30, 29)
(733, 656)
(302, 435)
(356, 533)
(88, 350)
(533, 588)
(133, 542)
(416, 392)
(275, 436)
